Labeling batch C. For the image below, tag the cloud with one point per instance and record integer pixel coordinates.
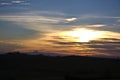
(47, 17)
(29, 18)
(20, 2)
(47, 13)
(5, 3)
(12, 2)
(98, 17)
(71, 19)
(52, 17)
(96, 25)
(109, 44)
(63, 43)
(17, 2)
(110, 17)
(105, 46)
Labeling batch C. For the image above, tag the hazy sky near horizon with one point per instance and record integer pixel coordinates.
(70, 27)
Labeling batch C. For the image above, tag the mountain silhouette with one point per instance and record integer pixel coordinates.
(20, 66)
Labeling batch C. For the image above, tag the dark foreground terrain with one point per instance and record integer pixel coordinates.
(39, 67)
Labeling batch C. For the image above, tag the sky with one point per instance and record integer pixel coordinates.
(62, 27)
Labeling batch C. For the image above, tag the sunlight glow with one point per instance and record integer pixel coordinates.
(82, 35)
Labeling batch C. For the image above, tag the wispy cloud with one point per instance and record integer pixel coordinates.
(98, 17)
(47, 13)
(5, 3)
(96, 25)
(51, 17)
(17, 1)
(12, 2)
(71, 19)
(40, 19)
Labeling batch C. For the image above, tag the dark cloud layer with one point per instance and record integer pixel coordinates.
(105, 45)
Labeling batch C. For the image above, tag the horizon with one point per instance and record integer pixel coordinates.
(76, 27)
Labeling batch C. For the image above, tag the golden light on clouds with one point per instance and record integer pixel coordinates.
(75, 41)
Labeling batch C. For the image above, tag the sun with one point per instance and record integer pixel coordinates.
(82, 35)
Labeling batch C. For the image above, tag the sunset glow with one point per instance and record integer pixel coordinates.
(82, 35)
(75, 27)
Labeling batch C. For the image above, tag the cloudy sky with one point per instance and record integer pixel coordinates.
(63, 27)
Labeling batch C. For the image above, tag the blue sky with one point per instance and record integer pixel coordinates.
(73, 7)
(24, 22)
(79, 7)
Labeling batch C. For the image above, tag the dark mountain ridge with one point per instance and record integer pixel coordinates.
(39, 67)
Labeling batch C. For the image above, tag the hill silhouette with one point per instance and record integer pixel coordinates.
(19, 66)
